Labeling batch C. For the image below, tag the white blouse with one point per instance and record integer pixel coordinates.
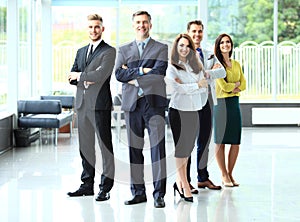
(185, 96)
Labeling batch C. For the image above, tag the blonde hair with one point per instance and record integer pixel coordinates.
(95, 17)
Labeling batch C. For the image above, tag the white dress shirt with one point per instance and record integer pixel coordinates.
(185, 96)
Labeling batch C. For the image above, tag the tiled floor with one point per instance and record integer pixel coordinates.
(34, 182)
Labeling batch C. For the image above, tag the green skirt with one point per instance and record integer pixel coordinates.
(227, 121)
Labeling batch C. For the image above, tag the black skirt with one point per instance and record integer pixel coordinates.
(227, 121)
(184, 127)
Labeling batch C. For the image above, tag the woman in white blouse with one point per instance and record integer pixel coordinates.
(186, 80)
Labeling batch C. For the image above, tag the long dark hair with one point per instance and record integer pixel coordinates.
(193, 59)
(218, 50)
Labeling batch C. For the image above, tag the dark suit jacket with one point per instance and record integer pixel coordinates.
(155, 56)
(98, 69)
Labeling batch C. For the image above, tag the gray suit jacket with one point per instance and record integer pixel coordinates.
(98, 69)
(155, 56)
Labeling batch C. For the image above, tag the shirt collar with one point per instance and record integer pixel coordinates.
(145, 41)
(95, 44)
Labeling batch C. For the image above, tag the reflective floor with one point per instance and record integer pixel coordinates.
(34, 181)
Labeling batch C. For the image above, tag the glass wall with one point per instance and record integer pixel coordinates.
(270, 69)
(249, 22)
(37, 56)
(19, 55)
(3, 52)
(24, 55)
(70, 33)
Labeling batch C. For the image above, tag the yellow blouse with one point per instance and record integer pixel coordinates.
(233, 74)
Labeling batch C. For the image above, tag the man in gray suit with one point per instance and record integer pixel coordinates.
(141, 66)
(91, 74)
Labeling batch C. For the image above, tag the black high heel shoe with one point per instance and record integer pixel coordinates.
(188, 199)
(176, 189)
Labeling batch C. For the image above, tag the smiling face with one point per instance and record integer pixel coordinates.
(196, 33)
(225, 45)
(142, 26)
(183, 49)
(95, 30)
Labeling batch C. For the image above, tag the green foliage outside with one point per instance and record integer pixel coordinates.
(252, 20)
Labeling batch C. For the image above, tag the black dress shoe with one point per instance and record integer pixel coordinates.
(81, 192)
(102, 196)
(159, 202)
(136, 199)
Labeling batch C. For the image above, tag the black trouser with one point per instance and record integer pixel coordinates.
(203, 141)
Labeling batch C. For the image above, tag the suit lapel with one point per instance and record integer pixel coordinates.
(98, 48)
(84, 55)
(96, 52)
(148, 47)
(135, 51)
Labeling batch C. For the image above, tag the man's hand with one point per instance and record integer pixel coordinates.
(73, 76)
(206, 75)
(132, 82)
(124, 66)
(216, 66)
(146, 70)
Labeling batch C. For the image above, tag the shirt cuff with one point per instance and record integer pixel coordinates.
(78, 78)
(141, 73)
(136, 83)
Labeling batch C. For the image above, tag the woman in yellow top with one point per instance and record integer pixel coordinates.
(227, 115)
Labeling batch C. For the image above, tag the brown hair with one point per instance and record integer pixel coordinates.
(193, 59)
(196, 22)
(218, 50)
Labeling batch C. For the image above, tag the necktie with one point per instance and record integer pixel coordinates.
(87, 60)
(90, 53)
(201, 55)
(141, 48)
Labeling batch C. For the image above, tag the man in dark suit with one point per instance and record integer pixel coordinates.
(141, 66)
(91, 74)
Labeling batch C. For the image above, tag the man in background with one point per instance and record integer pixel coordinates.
(213, 70)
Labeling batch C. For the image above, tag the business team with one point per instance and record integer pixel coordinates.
(141, 67)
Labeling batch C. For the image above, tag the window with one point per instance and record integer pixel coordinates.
(3, 53)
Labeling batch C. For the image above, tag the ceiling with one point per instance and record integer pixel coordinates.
(122, 2)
